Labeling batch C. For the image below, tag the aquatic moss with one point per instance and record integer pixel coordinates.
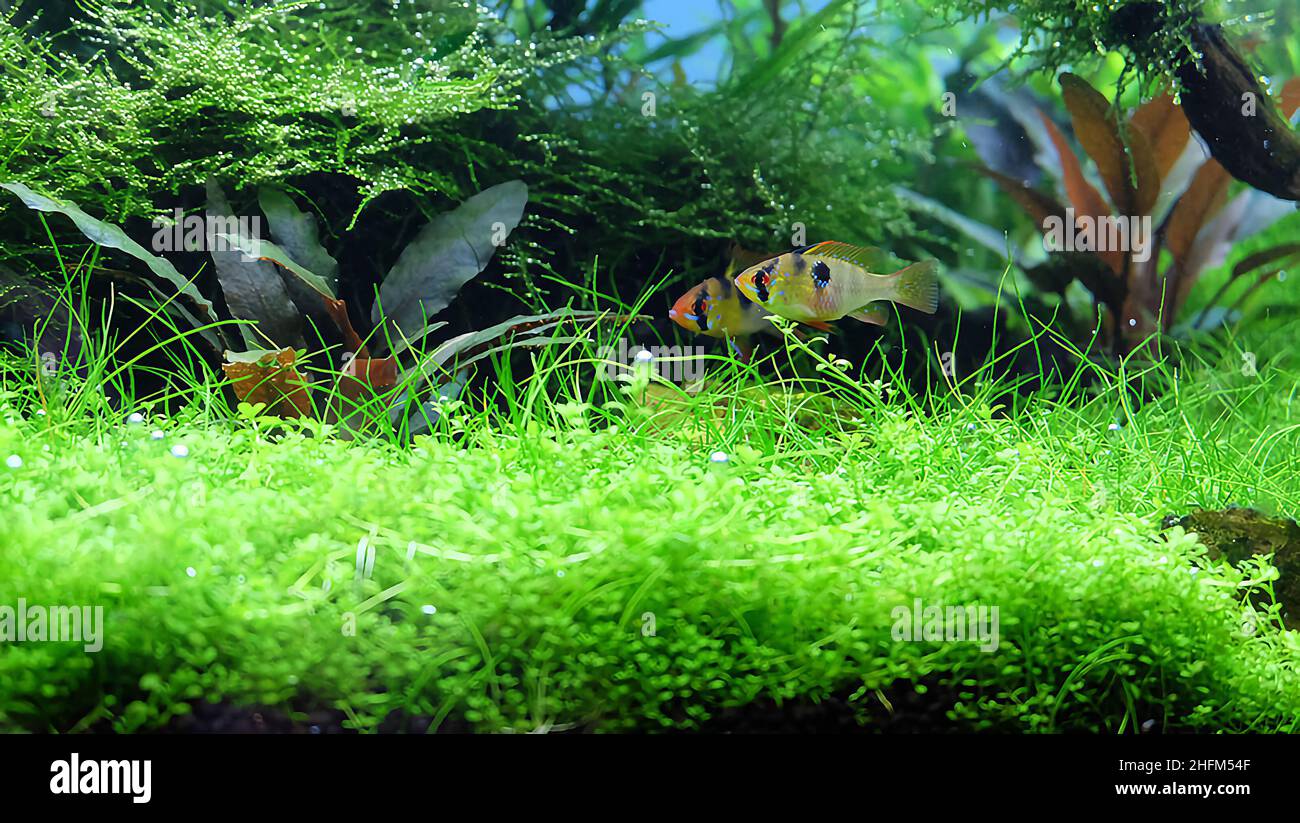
(561, 577)
(374, 116)
(259, 94)
(1153, 35)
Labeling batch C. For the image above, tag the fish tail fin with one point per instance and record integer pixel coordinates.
(917, 286)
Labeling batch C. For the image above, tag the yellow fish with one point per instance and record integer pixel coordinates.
(831, 280)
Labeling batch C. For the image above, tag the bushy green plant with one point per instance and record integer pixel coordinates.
(287, 94)
(534, 582)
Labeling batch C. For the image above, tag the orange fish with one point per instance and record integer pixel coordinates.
(716, 308)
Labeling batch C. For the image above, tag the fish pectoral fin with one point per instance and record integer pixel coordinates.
(741, 347)
(819, 325)
(875, 315)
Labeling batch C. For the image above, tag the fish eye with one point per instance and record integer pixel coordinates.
(700, 312)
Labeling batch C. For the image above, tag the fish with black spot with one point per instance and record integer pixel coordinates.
(828, 281)
(716, 308)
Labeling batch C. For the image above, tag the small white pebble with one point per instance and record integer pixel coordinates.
(13, 461)
(157, 434)
(719, 457)
(135, 418)
(180, 450)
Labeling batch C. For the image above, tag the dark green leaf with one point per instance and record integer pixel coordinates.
(264, 250)
(112, 237)
(254, 289)
(297, 233)
(444, 256)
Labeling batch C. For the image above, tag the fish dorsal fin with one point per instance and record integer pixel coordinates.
(870, 258)
(740, 258)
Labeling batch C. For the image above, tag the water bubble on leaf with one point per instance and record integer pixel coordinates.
(135, 418)
(1114, 427)
(719, 457)
(429, 609)
(191, 571)
(13, 461)
(157, 434)
(180, 450)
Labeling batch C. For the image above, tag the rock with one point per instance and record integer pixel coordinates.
(1235, 534)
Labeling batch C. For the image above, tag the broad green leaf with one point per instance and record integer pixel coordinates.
(447, 253)
(265, 250)
(254, 289)
(112, 237)
(297, 233)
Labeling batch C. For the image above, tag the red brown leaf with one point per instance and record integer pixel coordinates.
(1290, 97)
(272, 379)
(1165, 127)
(338, 310)
(1083, 196)
(1127, 170)
(1262, 258)
(1206, 194)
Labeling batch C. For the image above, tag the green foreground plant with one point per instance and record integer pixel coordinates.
(562, 552)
